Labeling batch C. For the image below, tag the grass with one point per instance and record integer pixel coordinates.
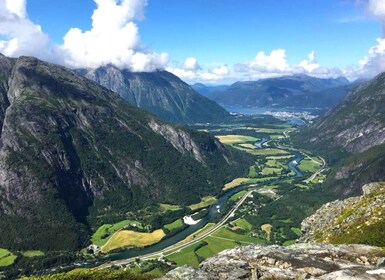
(199, 232)
(289, 242)
(243, 223)
(252, 172)
(174, 225)
(125, 238)
(237, 195)
(248, 146)
(6, 258)
(185, 256)
(271, 130)
(214, 246)
(31, 254)
(234, 183)
(104, 233)
(169, 207)
(267, 171)
(236, 139)
(228, 234)
(309, 165)
(297, 231)
(267, 152)
(205, 201)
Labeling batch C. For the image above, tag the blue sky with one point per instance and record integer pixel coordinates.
(220, 39)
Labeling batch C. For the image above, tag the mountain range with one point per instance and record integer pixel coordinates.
(159, 92)
(74, 155)
(298, 91)
(351, 138)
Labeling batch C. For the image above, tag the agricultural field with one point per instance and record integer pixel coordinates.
(236, 139)
(214, 246)
(169, 207)
(174, 225)
(234, 183)
(126, 238)
(243, 224)
(231, 235)
(6, 258)
(237, 195)
(205, 202)
(309, 165)
(104, 232)
(185, 256)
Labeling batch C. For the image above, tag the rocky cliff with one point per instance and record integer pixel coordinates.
(74, 155)
(354, 220)
(160, 92)
(299, 261)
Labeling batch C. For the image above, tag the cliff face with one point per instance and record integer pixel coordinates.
(74, 154)
(160, 92)
(299, 261)
(353, 220)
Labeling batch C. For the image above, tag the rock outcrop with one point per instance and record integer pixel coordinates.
(299, 261)
(353, 220)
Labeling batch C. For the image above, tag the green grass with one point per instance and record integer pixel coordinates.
(237, 195)
(186, 256)
(242, 223)
(205, 201)
(174, 225)
(289, 242)
(267, 152)
(214, 246)
(297, 231)
(228, 234)
(236, 139)
(252, 172)
(104, 233)
(6, 257)
(308, 165)
(169, 207)
(31, 254)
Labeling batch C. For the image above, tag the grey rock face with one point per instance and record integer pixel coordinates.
(299, 261)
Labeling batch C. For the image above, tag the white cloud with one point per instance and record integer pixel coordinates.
(113, 38)
(22, 36)
(191, 72)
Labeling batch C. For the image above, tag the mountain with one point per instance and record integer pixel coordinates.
(298, 91)
(355, 220)
(160, 92)
(206, 90)
(351, 137)
(74, 155)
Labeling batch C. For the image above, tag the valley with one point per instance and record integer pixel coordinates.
(249, 210)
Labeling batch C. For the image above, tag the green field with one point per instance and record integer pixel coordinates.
(309, 165)
(205, 201)
(214, 246)
(104, 233)
(242, 223)
(169, 207)
(174, 225)
(234, 183)
(6, 257)
(297, 231)
(31, 254)
(185, 256)
(228, 234)
(237, 195)
(267, 152)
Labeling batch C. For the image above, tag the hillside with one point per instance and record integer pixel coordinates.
(74, 155)
(351, 137)
(160, 92)
(356, 220)
(298, 91)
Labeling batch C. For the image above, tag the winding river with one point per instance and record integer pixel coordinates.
(212, 214)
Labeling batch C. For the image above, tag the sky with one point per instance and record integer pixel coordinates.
(208, 41)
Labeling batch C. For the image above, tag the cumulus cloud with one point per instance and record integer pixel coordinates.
(114, 38)
(190, 71)
(275, 64)
(20, 35)
(374, 61)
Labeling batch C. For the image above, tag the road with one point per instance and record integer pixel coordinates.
(178, 246)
